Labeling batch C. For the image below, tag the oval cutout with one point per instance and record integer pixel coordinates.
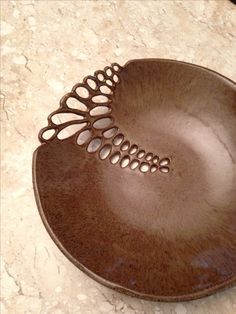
(141, 153)
(153, 168)
(74, 103)
(91, 83)
(118, 139)
(149, 156)
(133, 149)
(102, 123)
(105, 151)
(109, 82)
(108, 72)
(101, 77)
(164, 162)
(125, 146)
(94, 145)
(110, 132)
(164, 169)
(115, 158)
(134, 164)
(155, 159)
(100, 99)
(105, 90)
(82, 92)
(84, 137)
(70, 130)
(59, 118)
(115, 78)
(47, 134)
(99, 110)
(144, 167)
(115, 67)
(125, 161)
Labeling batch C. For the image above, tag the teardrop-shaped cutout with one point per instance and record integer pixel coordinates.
(141, 153)
(144, 167)
(105, 151)
(149, 156)
(134, 164)
(125, 161)
(94, 144)
(59, 118)
(110, 132)
(100, 99)
(91, 83)
(47, 134)
(155, 159)
(164, 162)
(99, 110)
(153, 168)
(115, 158)
(125, 146)
(105, 90)
(82, 92)
(70, 130)
(84, 137)
(133, 149)
(102, 123)
(164, 169)
(118, 139)
(74, 103)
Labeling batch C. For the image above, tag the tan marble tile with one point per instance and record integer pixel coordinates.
(47, 46)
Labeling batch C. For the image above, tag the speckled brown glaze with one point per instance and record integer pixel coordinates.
(170, 236)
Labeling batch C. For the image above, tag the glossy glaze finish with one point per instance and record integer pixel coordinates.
(166, 236)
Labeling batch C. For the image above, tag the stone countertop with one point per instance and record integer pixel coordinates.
(47, 47)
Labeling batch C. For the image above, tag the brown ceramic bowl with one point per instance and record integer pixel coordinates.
(135, 179)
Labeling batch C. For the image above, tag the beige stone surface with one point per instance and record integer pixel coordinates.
(47, 46)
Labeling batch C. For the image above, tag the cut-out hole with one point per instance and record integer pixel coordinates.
(109, 82)
(109, 72)
(153, 168)
(116, 67)
(100, 77)
(84, 137)
(105, 89)
(99, 110)
(59, 118)
(144, 167)
(70, 130)
(134, 164)
(105, 151)
(100, 99)
(82, 92)
(164, 162)
(149, 156)
(141, 153)
(125, 161)
(115, 158)
(110, 133)
(91, 83)
(74, 103)
(48, 134)
(133, 149)
(155, 159)
(125, 146)
(118, 139)
(94, 144)
(164, 169)
(102, 123)
(115, 78)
